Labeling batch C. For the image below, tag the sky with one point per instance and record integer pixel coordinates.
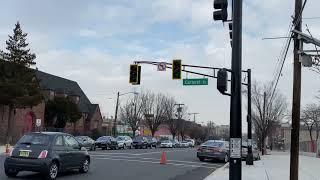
(94, 42)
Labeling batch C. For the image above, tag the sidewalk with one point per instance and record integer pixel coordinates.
(273, 167)
(2, 149)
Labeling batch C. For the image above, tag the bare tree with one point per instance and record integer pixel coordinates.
(170, 113)
(267, 111)
(154, 110)
(132, 112)
(310, 119)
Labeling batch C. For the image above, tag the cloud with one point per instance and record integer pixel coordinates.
(94, 43)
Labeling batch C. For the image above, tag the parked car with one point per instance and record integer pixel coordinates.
(191, 142)
(107, 142)
(166, 144)
(140, 142)
(184, 144)
(152, 142)
(214, 149)
(175, 143)
(86, 142)
(255, 152)
(124, 142)
(48, 153)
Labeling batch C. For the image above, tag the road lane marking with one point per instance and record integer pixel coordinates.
(153, 162)
(136, 154)
(190, 162)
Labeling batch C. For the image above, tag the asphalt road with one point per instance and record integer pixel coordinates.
(141, 164)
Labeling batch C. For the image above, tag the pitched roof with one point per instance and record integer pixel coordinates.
(69, 87)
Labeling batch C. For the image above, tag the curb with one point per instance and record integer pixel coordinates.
(217, 170)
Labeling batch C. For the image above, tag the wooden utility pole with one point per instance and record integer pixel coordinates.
(294, 152)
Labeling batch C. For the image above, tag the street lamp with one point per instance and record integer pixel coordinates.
(116, 112)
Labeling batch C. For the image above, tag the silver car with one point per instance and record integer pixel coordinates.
(124, 142)
(214, 149)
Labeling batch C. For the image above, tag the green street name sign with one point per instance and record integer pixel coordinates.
(195, 82)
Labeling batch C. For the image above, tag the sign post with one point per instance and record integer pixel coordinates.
(38, 124)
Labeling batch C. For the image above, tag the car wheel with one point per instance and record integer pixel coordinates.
(124, 146)
(130, 147)
(226, 158)
(52, 171)
(85, 166)
(11, 172)
(201, 159)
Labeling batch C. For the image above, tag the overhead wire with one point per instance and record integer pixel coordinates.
(285, 50)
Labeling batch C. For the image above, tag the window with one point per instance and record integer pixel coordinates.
(71, 142)
(59, 141)
(34, 139)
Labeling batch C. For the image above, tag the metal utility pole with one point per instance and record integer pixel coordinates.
(235, 104)
(249, 160)
(294, 152)
(116, 115)
(194, 116)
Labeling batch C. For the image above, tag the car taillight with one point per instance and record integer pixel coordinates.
(200, 149)
(219, 150)
(43, 154)
(10, 152)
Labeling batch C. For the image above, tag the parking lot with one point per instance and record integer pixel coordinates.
(142, 164)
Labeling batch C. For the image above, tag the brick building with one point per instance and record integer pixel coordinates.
(52, 86)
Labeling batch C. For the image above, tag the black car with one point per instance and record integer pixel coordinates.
(48, 153)
(86, 142)
(152, 142)
(140, 142)
(107, 142)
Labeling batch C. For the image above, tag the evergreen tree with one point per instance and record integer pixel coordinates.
(19, 87)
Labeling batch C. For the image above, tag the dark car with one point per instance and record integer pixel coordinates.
(86, 142)
(214, 149)
(152, 142)
(107, 142)
(140, 142)
(48, 153)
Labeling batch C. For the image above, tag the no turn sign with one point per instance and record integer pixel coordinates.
(162, 66)
(38, 122)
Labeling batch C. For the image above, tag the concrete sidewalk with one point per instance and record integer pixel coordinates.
(273, 167)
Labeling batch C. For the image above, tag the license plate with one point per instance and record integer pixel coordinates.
(24, 153)
(207, 150)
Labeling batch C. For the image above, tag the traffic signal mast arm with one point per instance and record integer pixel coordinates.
(169, 65)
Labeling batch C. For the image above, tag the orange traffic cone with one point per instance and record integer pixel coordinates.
(163, 158)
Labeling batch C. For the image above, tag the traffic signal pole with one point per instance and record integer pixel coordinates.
(235, 104)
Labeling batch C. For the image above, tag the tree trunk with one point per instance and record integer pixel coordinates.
(153, 131)
(74, 128)
(133, 132)
(9, 126)
(173, 135)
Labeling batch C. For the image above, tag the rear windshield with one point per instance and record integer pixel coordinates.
(34, 139)
(139, 138)
(213, 144)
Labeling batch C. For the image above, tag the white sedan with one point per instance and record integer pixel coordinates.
(184, 144)
(166, 144)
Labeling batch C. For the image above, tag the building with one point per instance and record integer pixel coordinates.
(24, 120)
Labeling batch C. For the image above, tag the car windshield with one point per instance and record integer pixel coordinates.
(213, 144)
(166, 141)
(120, 138)
(103, 138)
(34, 139)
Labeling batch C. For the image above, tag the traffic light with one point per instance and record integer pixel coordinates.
(139, 76)
(133, 74)
(230, 33)
(176, 69)
(222, 81)
(221, 12)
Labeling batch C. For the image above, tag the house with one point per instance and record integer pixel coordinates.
(24, 120)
